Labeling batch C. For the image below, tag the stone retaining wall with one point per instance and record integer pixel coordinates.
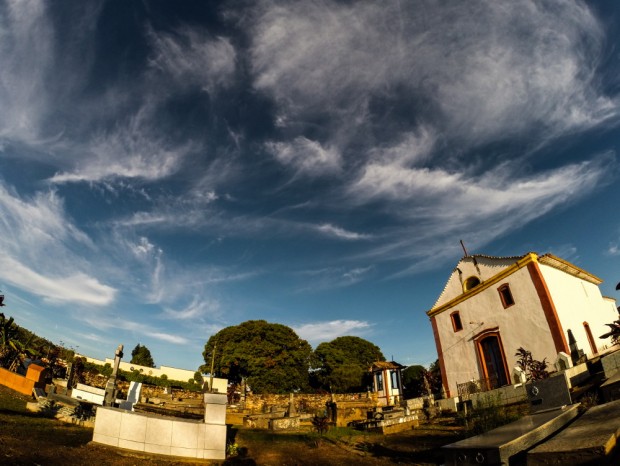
(304, 402)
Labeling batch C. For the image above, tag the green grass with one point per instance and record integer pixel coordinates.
(23, 424)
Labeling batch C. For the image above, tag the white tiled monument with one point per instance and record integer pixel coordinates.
(166, 435)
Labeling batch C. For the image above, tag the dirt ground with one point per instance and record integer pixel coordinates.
(32, 439)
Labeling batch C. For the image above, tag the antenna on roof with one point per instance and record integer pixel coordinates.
(463, 246)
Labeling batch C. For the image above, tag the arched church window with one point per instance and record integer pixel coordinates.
(470, 283)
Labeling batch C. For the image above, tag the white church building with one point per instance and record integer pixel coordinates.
(491, 306)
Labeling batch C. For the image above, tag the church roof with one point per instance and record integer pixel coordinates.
(380, 365)
(493, 266)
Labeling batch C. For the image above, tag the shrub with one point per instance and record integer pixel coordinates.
(488, 415)
(533, 369)
(320, 424)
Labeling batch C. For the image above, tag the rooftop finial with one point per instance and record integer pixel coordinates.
(463, 246)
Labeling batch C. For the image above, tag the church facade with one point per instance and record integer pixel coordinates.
(492, 306)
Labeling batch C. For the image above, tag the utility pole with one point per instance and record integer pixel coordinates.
(212, 367)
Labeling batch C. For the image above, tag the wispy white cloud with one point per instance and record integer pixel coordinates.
(306, 156)
(318, 332)
(170, 338)
(500, 70)
(490, 206)
(567, 252)
(334, 277)
(144, 248)
(193, 58)
(106, 322)
(93, 337)
(521, 70)
(26, 54)
(197, 308)
(77, 288)
(613, 249)
(134, 150)
(40, 247)
(341, 233)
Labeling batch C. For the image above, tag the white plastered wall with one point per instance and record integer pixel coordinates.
(578, 301)
(520, 325)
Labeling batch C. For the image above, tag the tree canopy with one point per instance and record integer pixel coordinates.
(413, 381)
(270, 357)
(342, 365)
(141, 355)
(420, 381)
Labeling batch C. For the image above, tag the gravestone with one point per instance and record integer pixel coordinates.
(518, 375)
(576, 354)
(133, 396)
(563, 362)
(291, 412)
(70, 375)
(110, 387)
(548, 393)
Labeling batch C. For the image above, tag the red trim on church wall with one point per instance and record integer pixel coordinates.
(555, 327)
(442, 366)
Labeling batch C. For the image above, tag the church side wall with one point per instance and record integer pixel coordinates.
(578, 301)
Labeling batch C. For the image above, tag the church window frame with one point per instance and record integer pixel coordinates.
(457, 323)
(506, 296)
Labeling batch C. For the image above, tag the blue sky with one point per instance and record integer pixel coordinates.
(168, 169)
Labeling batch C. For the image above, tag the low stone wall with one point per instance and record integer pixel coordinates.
(501, 396)
(419, 403)
(344, 413)
(284, 423)
(448, 404)
(304, 402)
(395, 425)
(148, 391)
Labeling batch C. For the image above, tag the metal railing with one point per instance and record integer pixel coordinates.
(476, 386)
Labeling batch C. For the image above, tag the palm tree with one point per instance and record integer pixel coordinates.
(614, 333)
(8, 334)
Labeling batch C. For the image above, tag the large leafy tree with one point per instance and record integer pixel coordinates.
(413, 381)
(342, 365)
(420, 381)
(141, 355)
(270, 357)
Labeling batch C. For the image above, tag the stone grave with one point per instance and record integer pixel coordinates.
(550, 411)
(610, 389)
(590, 440)
(87, 393)
(133, 396)
(500, 446)
(548, 393)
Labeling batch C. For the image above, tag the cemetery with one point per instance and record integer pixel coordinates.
(567, 411)
(557, 423)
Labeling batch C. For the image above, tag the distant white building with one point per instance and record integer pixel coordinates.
(491, 306)
(172, 373)
(387, 382)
